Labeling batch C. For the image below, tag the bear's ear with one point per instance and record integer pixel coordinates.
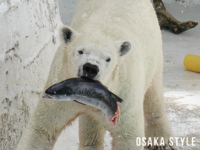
(124, 48)
(67, 34)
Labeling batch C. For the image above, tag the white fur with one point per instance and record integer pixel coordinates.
(101, 27)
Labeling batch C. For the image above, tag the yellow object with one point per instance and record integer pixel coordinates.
(192, 63)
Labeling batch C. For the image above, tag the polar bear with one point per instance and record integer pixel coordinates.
(117, 42)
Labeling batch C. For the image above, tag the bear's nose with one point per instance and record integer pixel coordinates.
(90, 71)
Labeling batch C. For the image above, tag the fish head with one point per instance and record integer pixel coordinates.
(92, 54)
(59, 91)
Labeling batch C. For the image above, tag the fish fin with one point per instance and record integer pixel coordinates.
(116, 98)
(79, 102)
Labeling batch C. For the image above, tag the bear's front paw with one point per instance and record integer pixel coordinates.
(90, 148)
(166, 147)
(160, 144)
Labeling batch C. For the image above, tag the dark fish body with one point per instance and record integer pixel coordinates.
(86, 91)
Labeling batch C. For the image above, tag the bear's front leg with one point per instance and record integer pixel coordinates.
(156, 121)
(91, 134)
(47, 122)
(130, 125)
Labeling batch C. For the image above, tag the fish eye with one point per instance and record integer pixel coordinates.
(108, 60)
(80, 52)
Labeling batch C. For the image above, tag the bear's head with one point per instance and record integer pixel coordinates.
(92, 55)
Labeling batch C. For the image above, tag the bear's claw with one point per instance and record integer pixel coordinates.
(166, 147)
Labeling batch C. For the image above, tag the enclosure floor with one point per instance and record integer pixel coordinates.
(182, 88)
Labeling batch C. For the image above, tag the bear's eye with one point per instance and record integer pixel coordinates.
(108, 60)
(80, 52)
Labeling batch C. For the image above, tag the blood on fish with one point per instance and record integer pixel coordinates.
(114, 119)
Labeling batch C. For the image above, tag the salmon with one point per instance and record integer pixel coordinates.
(87, 92)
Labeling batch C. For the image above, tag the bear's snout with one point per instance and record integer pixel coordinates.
(90, 71)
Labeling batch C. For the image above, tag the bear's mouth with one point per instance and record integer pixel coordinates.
(79, 73)
(46, 96)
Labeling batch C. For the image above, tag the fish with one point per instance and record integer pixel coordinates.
(87, 92)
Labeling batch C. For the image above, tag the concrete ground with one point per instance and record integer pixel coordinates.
(182, 87)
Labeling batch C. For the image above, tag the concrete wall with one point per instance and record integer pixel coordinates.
(66, 10)
(28, 41)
